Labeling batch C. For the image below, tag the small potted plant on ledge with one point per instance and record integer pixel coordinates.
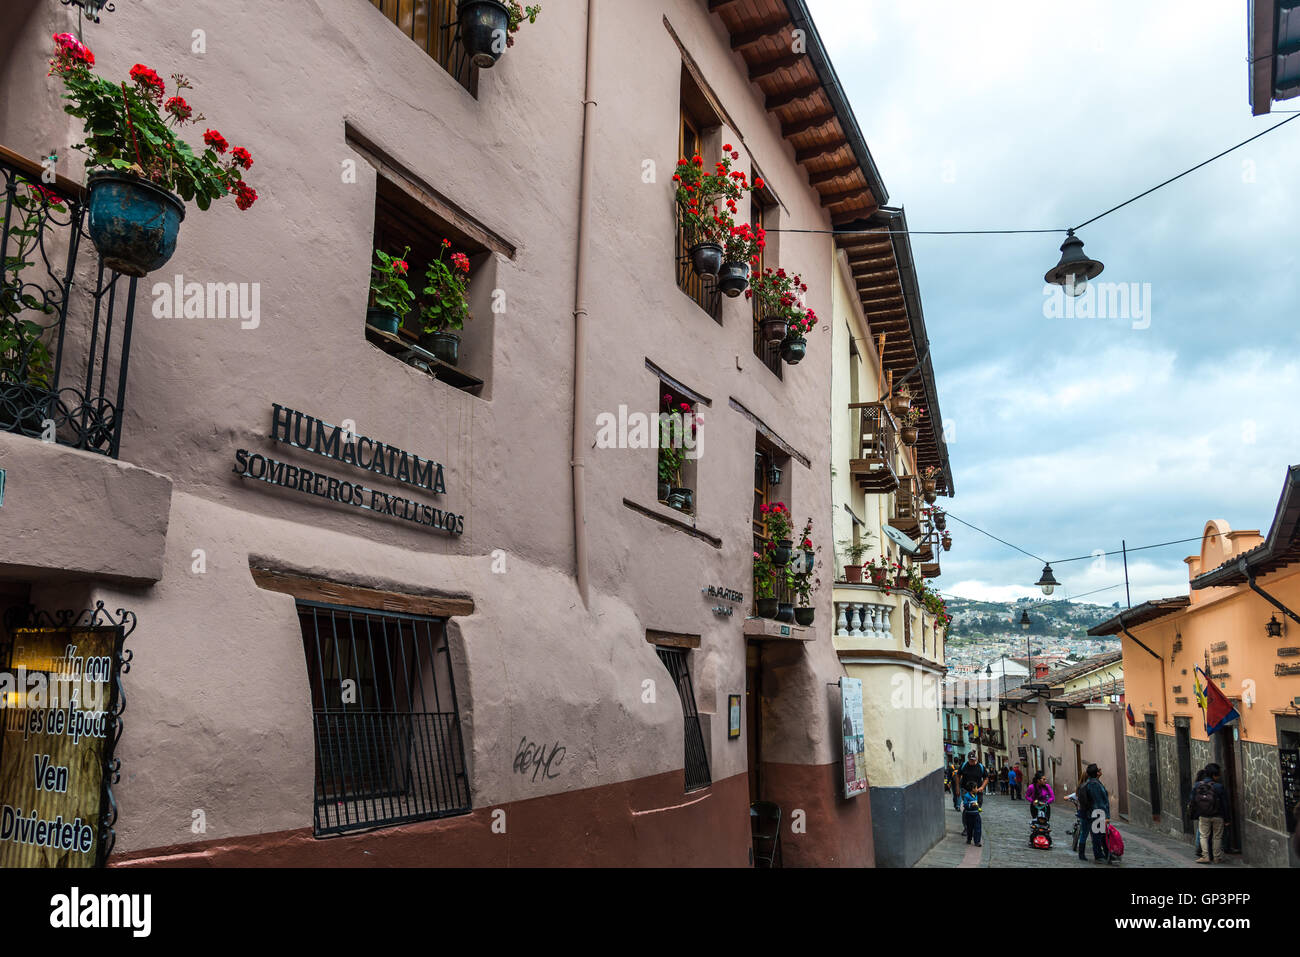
(854, 550)
(707, 205)
(803, 582)
(741, 252)
(929, 483)
(141, 171)
(488, 27)
(779, 532)
(764, 585)
(447, 307)
(390, 293)
(678, 423)
(785, 609)
(910, 429)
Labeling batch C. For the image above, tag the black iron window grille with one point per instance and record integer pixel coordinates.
(702, 289)
(63, 357)
(434, 26)
(697, 759)
(387, 728)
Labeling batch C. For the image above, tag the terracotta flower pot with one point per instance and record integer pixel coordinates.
(899, 405)
(947, 544)
(853, 573)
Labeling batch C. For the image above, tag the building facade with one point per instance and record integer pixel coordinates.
(387, 610)
(1234, 624)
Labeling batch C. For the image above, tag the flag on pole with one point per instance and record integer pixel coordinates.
(1218, 709)
(1024, 732)
(1200, 691)
(1132, 722)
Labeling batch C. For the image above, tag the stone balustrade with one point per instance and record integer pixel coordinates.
(863, 619)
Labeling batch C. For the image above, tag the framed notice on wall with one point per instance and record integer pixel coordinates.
(59, 721)
(855, 758)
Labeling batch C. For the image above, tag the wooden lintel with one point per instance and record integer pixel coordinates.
(335, 593)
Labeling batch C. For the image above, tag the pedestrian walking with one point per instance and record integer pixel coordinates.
(1013, 782)
(954, 778)
(1040, 791)
(975, 777)
(1209, 805)
(1003, 778)
(1094, 809)
(970, 817)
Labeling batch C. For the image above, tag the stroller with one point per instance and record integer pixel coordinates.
(1040, 828)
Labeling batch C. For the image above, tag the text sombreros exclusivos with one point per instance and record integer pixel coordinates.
(310, 434)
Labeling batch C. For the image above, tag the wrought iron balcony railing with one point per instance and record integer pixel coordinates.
(65, 320)
(872, 462)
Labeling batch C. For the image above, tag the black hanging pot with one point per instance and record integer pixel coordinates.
(784, 551)
(484, 30)
(786, 612)
(941, 521)
(385, 320)
(132, 222)
(793, 348)
(774, 330)
(445, 346)
(707, 258)
(931, 496)
(804, 616)
(766, 607)
(733, 279)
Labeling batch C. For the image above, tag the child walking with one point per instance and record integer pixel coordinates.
(970, 817)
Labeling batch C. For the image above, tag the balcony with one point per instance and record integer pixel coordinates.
(907, 507)
(63, 356)
(864, 619)
(873, 464)
(992, 739)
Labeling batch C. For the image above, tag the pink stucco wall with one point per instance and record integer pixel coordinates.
(219, 715)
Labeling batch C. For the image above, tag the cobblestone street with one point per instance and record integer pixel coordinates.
(1006, 842)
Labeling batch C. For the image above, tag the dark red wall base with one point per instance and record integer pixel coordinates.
(836, 830)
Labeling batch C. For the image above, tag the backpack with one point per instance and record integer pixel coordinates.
(1204, 801)
(1114, 843)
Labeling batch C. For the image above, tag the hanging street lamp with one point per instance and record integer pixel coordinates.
(1075, 268)
(1274, 627)
(1024, 620)
(1048, 581)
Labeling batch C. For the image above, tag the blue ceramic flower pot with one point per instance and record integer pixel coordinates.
(132, 222)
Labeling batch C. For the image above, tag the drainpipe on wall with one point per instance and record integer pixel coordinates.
(579, 461)
(1250, 580)
(1164, 690)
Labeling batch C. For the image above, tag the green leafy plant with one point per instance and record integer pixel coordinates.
(854, 550)
(913, 416)
(133, 127)
(25, 357)
(447, 285)
(802, 581)
(765, 574)
(388, 286)
(518, 14)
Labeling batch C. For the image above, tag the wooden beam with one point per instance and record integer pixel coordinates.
(852, 216)
(334, 593)
(834, 199)
(857, 264)
(716, 5)
(759, 70)
(834, 173)
(795, 127)
(778, 100)
(749, 37)
(671, 640)
(818, 152)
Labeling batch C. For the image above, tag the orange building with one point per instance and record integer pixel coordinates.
(1239, 624)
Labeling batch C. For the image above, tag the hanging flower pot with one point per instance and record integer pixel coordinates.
(484, 29)
(898, 404)
(928, 484)
(733, 278)
(947, 543)
(445, 346)
(804, 616)
(793, 348)
(385, 320)
(908, 435)
(783, 552)
(774, 330)
(940, 521)
(132, 222)
(785, 612)
(706, 258)
(767, 607)
(931, 496)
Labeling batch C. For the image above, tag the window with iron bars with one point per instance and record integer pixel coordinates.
(697, 758)
(387, 727)
(434, 27)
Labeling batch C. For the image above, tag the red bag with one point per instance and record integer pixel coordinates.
(1114, 843)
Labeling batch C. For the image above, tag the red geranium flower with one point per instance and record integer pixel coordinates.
(215, 140)
(69, 52)
(461, 261)
(148, 81)
(178, 108)
(245, 195)
(241, 157)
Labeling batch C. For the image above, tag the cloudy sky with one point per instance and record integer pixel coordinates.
(1068, 435)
